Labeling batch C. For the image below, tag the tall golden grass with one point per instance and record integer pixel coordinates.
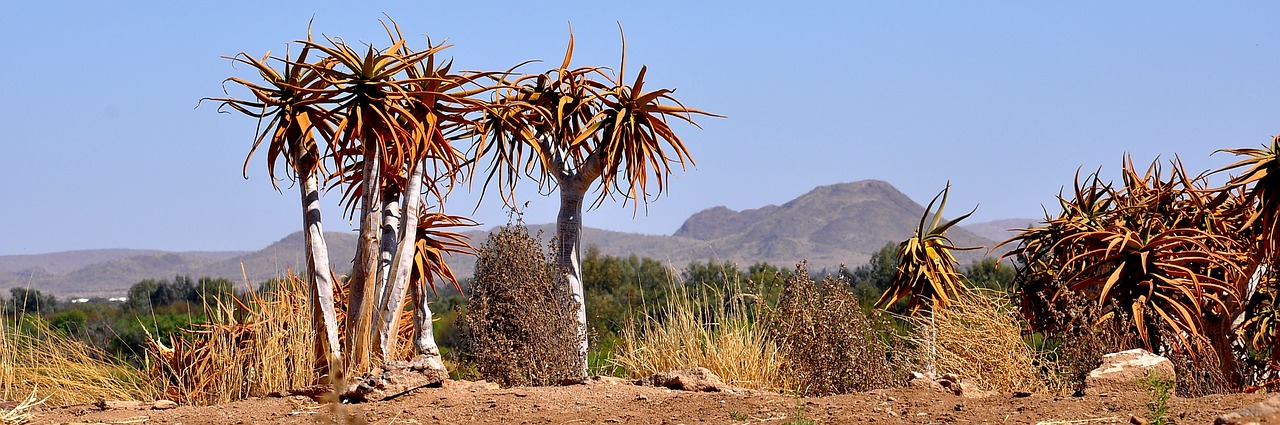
(718, 330)
(980, 339)
(40, 363)
(254, 345)
(249, 348)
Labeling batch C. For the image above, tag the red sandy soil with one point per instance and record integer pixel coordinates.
(610, 402)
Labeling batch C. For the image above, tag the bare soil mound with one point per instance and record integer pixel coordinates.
(616, 401)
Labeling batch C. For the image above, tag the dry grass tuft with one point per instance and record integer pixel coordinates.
(718, 330)
(37, 361)
(980, 339)
(21, 413)
(249, 349)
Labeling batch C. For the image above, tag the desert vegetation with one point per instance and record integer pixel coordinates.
(1162, 260)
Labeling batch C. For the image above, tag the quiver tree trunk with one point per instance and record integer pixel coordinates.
(364, 274)
(424, 338)
(324, 318)
(389, 241)
(568, 254)
(401, 266)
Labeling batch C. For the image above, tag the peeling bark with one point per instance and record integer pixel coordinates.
(568, 255)
(392, 301)
(424, 338)
(389, 242)
(364, 274)
(324, 318)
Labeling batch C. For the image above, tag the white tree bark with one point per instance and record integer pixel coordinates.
(424, 338)
(389, 242)
(568, 255)
(324, 318)
(364, 274)
(392, 301)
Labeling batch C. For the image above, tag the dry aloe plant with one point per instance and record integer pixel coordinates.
(570, 127)
(1259, 189)
(1162, 251)
(926, 275)
(1263, 172)
(446, 105)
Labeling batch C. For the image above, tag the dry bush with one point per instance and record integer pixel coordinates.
(1076, 333)
(979, 337)
(519, 327)
(831, 345)
(248, 349)
(709, 328)
(39, 362)
(1198, 377)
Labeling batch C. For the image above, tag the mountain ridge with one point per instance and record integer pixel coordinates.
(830, 225)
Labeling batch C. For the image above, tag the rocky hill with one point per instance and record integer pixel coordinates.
(1001, 230)
(830, 225)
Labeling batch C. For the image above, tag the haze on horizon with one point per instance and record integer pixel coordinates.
(106, 148)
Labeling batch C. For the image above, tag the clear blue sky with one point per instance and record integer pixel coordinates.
(104, 146)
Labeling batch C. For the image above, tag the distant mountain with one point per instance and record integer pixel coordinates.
(66, 261)
(831, 225)
(104, 272)
(1000, 230)
(278, 258)
(840, 223)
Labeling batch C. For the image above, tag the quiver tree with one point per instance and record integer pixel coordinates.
(292, 103)
(569, 128)
(388, 118)
(926, 274)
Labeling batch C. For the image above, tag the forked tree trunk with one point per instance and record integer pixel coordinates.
(324, 318)
(392, 301)
(364, 274)
(568, 254)
(388, 243)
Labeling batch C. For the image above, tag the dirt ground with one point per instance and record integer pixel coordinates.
(460, 402)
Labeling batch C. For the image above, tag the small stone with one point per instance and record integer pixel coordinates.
(119, 405)
(1135, 420)
(698, 379)
(1125, 371)
(164, 405)
(1265, 411)
(968, 390)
